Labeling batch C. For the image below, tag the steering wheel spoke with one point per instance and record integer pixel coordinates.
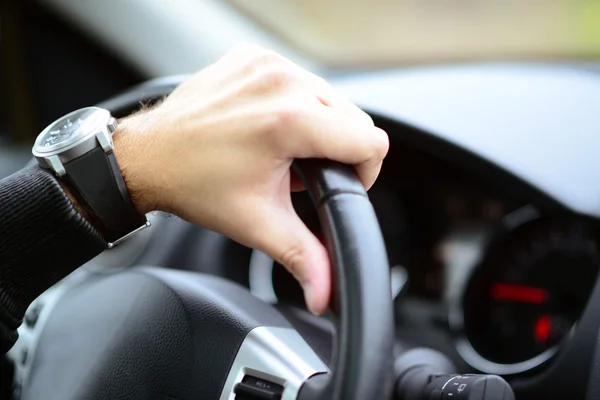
(274, 361)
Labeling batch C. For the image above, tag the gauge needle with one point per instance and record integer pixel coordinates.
(518, 293)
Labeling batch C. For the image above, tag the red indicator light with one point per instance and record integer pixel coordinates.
(542, 329)
(519, 293)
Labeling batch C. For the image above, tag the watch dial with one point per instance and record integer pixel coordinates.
(68, 128)
(62, 133)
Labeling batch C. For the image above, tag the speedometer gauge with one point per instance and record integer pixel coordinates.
(527, 295)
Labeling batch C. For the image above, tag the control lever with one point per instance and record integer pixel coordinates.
(426, 374)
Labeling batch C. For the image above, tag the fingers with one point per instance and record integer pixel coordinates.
(286, 113)
(327, 95)
(339, 131)
(285, 238)
(271, 67)
(322, 132)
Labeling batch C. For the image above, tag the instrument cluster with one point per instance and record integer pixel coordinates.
(511, 277)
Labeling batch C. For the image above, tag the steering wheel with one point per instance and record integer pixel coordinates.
(152, 333)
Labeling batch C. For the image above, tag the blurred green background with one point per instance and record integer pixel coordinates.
(391, 32)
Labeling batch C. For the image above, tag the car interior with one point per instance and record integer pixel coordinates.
(470, 272)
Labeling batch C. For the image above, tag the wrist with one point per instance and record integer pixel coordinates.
(129, 151)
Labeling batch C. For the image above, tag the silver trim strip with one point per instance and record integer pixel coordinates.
(398, 279)
(279, 355)
(260, 277)
(474, 359)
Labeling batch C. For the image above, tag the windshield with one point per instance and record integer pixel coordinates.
(367, 33)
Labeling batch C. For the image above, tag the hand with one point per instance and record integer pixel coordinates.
(217, 152)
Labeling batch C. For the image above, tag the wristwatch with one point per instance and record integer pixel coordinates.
(78, 149)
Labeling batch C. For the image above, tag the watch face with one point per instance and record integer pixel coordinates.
(62, 132)
(68, 129)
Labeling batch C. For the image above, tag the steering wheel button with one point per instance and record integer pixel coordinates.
(24, 356)
(32, 315)
(252, 388)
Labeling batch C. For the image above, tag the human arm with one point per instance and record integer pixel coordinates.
(38, 226)
(218, 151)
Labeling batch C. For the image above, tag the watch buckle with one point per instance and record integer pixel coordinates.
(127, 236)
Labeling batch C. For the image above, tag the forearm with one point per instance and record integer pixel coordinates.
(44, 238)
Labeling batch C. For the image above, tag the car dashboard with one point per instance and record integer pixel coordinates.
(488, 204)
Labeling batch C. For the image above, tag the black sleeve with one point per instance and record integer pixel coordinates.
(42, 239)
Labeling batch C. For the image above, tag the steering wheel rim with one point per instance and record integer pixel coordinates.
(362, 355)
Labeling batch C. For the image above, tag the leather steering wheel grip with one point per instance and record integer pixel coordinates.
(362, 354)
(363, 351)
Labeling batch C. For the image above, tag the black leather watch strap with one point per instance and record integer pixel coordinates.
(97, 182)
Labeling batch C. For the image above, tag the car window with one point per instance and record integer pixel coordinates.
(368, 33)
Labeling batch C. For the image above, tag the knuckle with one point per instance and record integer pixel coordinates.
(266, 57)
(252, 57)
(260, 58)
(274, 78)
(287, 117)
(281, 131)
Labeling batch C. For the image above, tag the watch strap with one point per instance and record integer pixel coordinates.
(97, 182)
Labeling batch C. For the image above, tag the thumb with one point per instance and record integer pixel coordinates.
(287, 240)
